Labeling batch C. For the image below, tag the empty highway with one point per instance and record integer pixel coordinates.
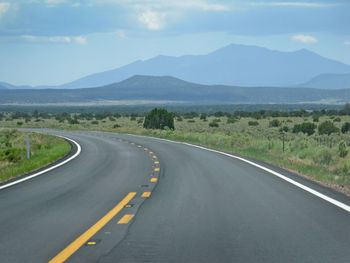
(135, 199)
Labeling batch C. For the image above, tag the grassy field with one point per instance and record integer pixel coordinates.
(44, 149)
(318, 157)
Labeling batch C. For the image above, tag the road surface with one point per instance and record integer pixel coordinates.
(111, 204)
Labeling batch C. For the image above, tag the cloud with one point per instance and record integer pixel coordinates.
(152, 20)
(4, 7)
(81, 40)
(304, 39)
(347, 43)
(292, 4)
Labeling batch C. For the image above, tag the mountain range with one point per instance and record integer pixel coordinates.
(166, 90)
(237, 65)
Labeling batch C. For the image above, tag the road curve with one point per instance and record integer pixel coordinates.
(203, 207)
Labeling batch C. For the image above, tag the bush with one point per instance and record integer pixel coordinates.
(284, 128)
(345, 127)
(275, 123)
(191, 121)
(94, 122)
(231, 119)
(315, 118)
(327, 127)
(213, 124)
(306, 127)
(253, 123)
(179, 118)
(159, 119)
(324, 157)
(343, 151)
(116, 126)
(203, 116)
(337, 119)
(19, 123)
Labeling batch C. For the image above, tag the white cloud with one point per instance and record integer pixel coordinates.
(76, 4)
(152, 20)
(56, 39)
(80, 40)
(168, 4)
(304, 39)
(347, 43)
(54, 2)
(293, 4)
(4, 7)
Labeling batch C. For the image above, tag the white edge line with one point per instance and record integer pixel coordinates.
(48, 169)
(306, 188)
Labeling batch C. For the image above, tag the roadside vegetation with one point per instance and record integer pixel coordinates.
(13, 155)
(316, 142)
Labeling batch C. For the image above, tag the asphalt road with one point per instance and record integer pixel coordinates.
(203, 207)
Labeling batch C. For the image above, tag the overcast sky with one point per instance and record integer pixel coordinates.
(50, 42)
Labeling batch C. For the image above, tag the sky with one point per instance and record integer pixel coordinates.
(51, 42)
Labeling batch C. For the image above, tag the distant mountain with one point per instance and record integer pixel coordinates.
(150, 90)
(329, 81)
(4, 85)
(237, 65)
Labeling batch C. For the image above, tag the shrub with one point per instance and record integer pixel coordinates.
(306, 127)
(343, 151)
(323, 157)
(275, 123)
(191, 121)
(253, 123)
(159, 119)
(216, 120)
(345, 127)
(213, 124)
(315, 118)
(231, 119)
(337, 119)
(94, 122)
(327, 127)
(203, 116)
(116, 126)
(73, 121)
(179, 118)
(284, 128)
(19, 123)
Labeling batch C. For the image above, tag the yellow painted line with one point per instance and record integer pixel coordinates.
(153, 180)
(145, 149)
(150, 152)
(91, 243)
(156, 162)
(156, 169)
(125, 219)
(133, 143)
(76, 244)
(146, 194)
(139, 146)
(154, 157)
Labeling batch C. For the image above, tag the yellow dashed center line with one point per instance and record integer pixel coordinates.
(145, 149)
(76, 244)
(154, 157)
(153, 180)
(156, 169)
(146, 194)
(150, 152)
(125, 219)
(156, 162)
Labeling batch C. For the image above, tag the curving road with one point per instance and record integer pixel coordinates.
(203, 207)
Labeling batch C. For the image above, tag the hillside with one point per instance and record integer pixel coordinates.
(146, 89)
(329, 81)
(236, 65)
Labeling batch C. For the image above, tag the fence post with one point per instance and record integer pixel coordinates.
(28, 148)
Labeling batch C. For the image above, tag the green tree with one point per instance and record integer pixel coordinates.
(275, 123)
(345, 127)
(306, 127)
(327, 127)
(159, 119)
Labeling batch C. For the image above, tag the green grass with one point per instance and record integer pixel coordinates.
(315, 156)
(44, 150)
